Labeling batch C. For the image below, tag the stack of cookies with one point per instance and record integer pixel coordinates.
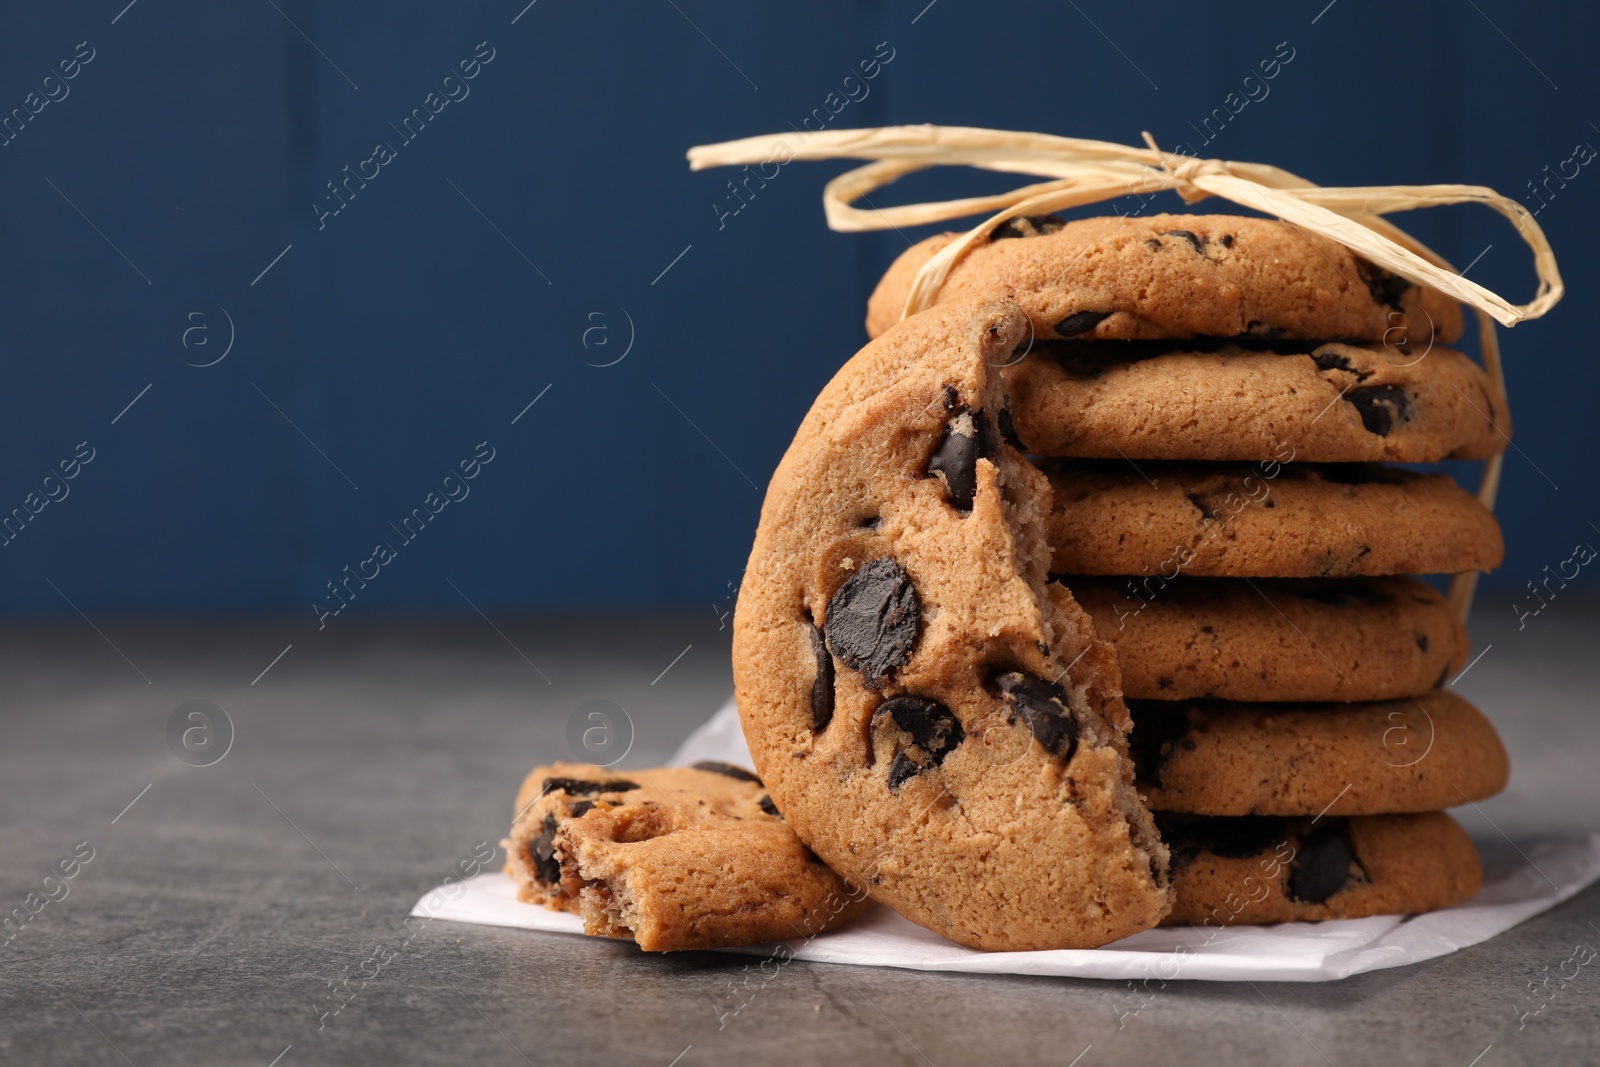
(1085, 600)
(1218, 397)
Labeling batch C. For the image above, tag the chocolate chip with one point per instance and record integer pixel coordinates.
(1157, 729)
(1198, 242)
(1045, 708)
(968, 437)
(1152, 244)
(728, 769)
(1325, 863)
(1385, 288)
(822, 682)
(927, 733)
(1027, 226)
(583, 787)
(579, 808)
(874, 620)
(1422, 642)
(1227, 240)
(1081, 322)
(1380, 406)
(541, 850)
(869, 523)
(769, 807)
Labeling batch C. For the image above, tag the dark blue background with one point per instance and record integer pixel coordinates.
(408, 329)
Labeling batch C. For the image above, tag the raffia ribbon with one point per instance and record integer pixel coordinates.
(1085, 172)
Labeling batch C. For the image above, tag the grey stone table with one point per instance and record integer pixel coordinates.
(218, 909)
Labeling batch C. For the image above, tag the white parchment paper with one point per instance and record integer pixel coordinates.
(1513, 890)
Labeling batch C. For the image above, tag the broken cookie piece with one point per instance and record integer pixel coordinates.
(674, 858)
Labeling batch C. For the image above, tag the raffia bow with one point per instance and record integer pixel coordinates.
(1085, 172)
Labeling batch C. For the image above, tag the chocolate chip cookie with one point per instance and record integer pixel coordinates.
(1275, 638)
(1219, 758)
(1172, 276)
(1266, 520)
(1321, 403)
(674, 858)
(935, 718)
(1261, 869)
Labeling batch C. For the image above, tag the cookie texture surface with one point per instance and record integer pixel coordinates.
(1259, 869)
(1341, 639)
(674, 858)
(1265, 520)
(1174, 276)
(1221, 758)
(1321, 403)
(934, 717)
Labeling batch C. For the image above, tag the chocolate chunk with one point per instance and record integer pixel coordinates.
(1198, 242)
(1385, 288)
(1325, 863)
(579, 808)
(929, 732)
(1157, 729)
(1227, 240)
(1380, 406)
(583, 787)
(1008, 428)
(822, 683)
(769, 807)
(1207, 512)
(1045, 707)
(1081, 322)
(1027, 226)
(728, 769)
(874, 620)
(1334, 361)
(956, 457)
(541, 850)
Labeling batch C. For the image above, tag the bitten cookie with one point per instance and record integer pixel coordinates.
(1122, 278)
(935, 718)
(1415, 754)
(1259, 869)
(1330, 403)
(675, 858)
(1267, 520)
(1275, 638)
